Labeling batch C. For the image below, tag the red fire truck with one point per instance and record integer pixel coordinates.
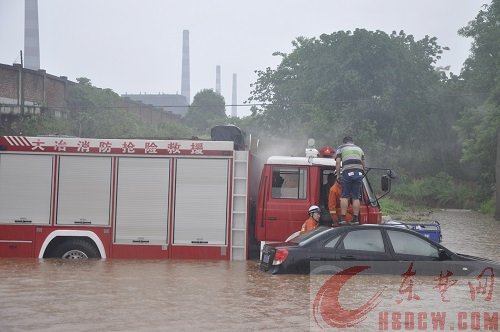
(147, 198)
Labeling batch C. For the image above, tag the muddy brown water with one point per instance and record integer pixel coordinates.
(157, 295)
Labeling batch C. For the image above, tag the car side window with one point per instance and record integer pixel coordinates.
(365, 240)
(332, 243)
(409, 244)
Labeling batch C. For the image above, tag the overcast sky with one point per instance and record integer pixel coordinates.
(135, 46)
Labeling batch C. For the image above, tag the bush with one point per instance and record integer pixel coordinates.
(488, 207)
(391, 207)
(440, 190)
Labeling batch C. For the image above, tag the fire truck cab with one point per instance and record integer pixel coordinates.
(289, 185)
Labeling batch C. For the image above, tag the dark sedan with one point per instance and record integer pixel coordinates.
(378, 249)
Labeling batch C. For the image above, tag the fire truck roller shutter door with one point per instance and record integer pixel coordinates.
(201, 201)
(84, 190)
(142, 204)
(25, 188)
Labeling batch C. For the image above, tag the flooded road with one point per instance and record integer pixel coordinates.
(154, 295)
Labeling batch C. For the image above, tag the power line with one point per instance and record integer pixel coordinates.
(296, 103)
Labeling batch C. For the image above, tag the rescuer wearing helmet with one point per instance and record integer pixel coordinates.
(313, 221)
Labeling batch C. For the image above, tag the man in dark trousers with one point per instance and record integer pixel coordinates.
(351, 178)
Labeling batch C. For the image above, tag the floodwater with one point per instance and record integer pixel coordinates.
(156, 295)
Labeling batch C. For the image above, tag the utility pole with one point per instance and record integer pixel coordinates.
(497, 177)
(21, 84)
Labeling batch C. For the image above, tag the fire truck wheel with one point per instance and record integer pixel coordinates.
(77, 249)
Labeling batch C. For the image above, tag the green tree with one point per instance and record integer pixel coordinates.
(169, 130)
(382, 89)
(33, 125)
(207, 109)
(97, 113)
(481, 68)
(481, 73)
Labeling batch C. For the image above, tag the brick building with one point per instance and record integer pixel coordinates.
(24, 91)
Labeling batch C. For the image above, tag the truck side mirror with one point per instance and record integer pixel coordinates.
(391, 174)
(385, 183)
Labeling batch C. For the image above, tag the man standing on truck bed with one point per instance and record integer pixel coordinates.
(353, 168)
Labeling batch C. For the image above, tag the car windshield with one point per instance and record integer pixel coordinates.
(308, 235)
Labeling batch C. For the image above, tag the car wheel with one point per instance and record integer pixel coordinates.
(75, 249)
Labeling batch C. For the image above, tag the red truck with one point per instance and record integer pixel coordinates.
(83, 198)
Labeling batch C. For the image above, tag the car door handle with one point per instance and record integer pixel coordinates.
(349, 257)
(271, 218)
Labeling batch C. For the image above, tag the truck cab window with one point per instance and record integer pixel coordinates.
(289, 182)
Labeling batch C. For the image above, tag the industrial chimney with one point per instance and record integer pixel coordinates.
(31, 36)
(185, 88)
(234, 110)
(217, 79)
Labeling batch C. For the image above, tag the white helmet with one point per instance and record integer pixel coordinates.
(314, 208)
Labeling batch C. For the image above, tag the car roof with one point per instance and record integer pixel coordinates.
(320, 231)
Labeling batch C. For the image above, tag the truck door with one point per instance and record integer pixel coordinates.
(285, 203)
